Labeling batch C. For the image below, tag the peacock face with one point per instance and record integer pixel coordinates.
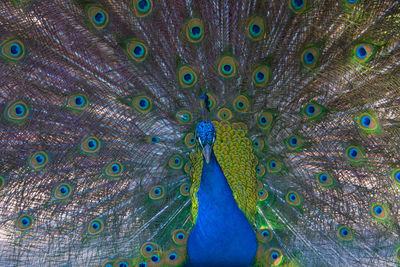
(205, 134)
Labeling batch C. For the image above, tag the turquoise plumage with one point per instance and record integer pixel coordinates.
(199, 133)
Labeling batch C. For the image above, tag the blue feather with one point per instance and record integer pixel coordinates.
(222, 235)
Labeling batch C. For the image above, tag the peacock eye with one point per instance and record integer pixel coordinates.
(298, 6)
(136, 50)
(187, 76)
(113, 169)
(24, 222)
(98, 17)
(155, 258)
(142, 8)
(95, 227)
(38, 160)
(12, 50)
(62, 191)
(194, 30)
(173, 256)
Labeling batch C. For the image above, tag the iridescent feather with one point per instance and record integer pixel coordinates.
(100, 99)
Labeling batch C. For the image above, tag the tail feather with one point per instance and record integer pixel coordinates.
(63, 202)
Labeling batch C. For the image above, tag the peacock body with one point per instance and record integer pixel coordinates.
(222, 232)
(199, 133)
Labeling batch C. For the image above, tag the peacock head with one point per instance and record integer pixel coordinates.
(205, 134)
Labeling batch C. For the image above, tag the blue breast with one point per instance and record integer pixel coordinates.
(222, 235)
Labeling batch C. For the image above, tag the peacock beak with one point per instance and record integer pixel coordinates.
(207, 152)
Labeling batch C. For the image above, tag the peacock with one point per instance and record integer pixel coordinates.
(199, 133)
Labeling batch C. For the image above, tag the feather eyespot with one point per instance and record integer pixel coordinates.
(12, 49)
(344, 233)
(184, 117)
(398, 254)
(227, 67)
(113, 169)
(256, 28)
(172, 257)
(368, 123)
(293, 198)
(136, 50)
(325, 180)
(298, 6)
(396, 176)
(155, 258)
(265, 235)
(190, 140)
(63, 191)
(273, 166)
(184, 189)
(355, 155)
(24, 222)
(16, 111)
(153, 139)
(175, 162)
(241, 104)
(224, 114)
(274, 256)
(95, 227)
(77, 102)
(157, 192)
(97, 16)
(38, 160)
(142, 8)
(179, 237)
(313, 111)
(187, 76)
(261, 75)
(142, 104)
(90, 145)
(310, 57)
(264, 120)
(379, 211)
(363, 52)
(294, 142)
(194, 30)
(258, 144)
(262, 195)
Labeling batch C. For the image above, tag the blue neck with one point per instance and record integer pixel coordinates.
(222, 235)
